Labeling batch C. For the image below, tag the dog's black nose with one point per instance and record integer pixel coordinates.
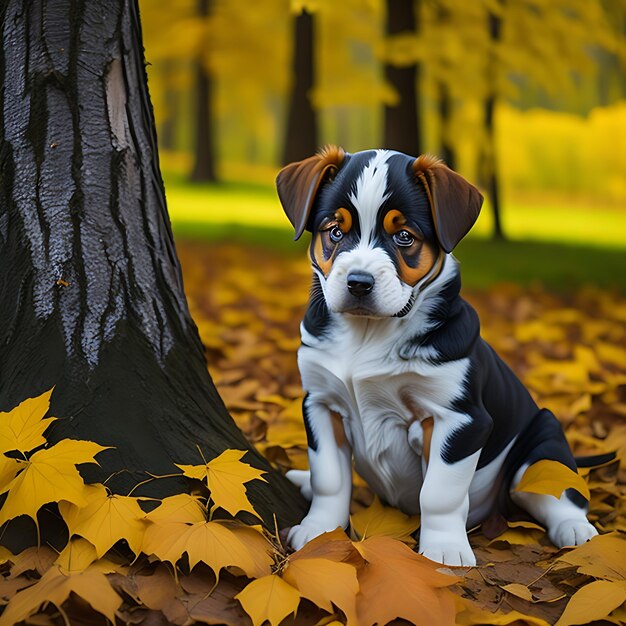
(360, 283)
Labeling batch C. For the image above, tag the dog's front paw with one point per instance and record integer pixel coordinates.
(453, 551)
(571, 532)
(303, 533)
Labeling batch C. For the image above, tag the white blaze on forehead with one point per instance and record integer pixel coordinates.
(370, 192)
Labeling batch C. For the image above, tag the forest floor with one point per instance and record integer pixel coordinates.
(561, 326)
(568, 347)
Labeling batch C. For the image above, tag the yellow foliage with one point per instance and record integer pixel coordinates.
(269, 599)
(214, 543)
(602, 557)
(552, 478)
(379, 520)
(50, 475)
(23, 427)
(55, 586)
(105, 519)
(325, 582)
(593, 602)
(225, 477)
(181, 507)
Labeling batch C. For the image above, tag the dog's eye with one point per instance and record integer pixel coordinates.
(404, 238)
(335, 234)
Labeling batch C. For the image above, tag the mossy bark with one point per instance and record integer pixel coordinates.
(91, 292)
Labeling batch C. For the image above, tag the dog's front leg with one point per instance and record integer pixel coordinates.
(444, 503)
(330, 486)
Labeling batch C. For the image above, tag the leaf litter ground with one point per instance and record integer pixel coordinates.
(183, 563)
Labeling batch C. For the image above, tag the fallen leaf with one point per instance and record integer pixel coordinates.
(398, 583)
(22, 428)
(593, 602)
(214, 543)
(225, 476)
(181, 507)
(603, 556)
(552, 478)
(269, 599)
(325, 583)
(377, 520)
(50, 475)
(55, 586)
(77, 555)
(105, 519)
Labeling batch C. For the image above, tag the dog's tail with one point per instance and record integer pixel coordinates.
(595, 460)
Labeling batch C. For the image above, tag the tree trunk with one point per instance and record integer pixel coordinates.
(301, 140)
(490, 157)
(91, 293)
(448, 153)
(401, 122)
(204, 157)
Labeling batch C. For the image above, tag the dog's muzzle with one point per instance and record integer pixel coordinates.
(360, 283)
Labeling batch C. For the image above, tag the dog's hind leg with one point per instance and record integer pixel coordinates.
(565, 517)
(565, 520)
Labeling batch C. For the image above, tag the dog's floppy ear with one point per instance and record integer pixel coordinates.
(298, 183)
(454, 202)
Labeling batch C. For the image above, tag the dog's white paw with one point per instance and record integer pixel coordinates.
(571, 532)
(301, 534)
(301, 479)
(453, 550)
(453, 554)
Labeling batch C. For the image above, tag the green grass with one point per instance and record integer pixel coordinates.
(559, 247)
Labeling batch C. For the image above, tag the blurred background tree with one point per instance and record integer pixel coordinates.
(524, 97)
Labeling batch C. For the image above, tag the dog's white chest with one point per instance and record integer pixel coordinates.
(379, 398)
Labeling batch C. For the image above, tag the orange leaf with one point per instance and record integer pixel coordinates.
(398, 583)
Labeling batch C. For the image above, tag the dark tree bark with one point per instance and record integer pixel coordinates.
(91, 294)
(301, 139)
(489, 156)
(402, 122)
(204, 157)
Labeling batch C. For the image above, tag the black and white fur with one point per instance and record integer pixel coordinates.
(377, 364)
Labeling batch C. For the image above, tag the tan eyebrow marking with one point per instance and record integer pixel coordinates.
(344, 219)
(394, 221)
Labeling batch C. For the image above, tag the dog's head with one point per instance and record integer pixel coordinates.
(382, 223)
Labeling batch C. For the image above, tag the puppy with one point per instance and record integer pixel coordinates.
(395, 372)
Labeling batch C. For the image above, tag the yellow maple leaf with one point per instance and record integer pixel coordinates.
(593, 602)
(552, 478)
(22, 428)
(50, 475)
(9, 469)
(325, 583)
(269, 599)
(377, 520)
(55, 586)
(181, 507)
(77, 555)
(216, 544)
(105, 519)
(225, 476)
